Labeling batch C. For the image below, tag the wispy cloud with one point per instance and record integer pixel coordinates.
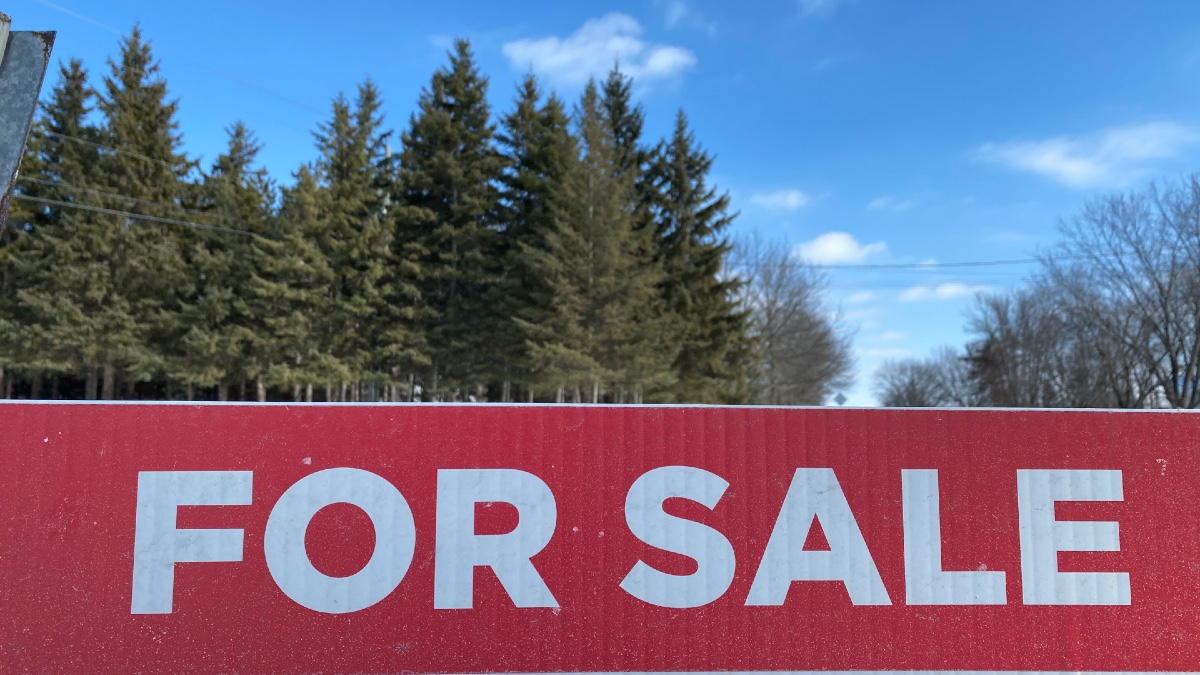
(860, 298)
(821, 8)
(680, 13)
(893, 336)
(947, 291)
(1114, 157)
(593, 49)
(780, 200)
(838, 247)
(890, 203)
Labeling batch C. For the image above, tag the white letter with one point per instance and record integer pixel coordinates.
(709, 548)
(395, 539)
(158, 545)
(815, 493)
(459, 550)
(1042, 537)
(925, 581)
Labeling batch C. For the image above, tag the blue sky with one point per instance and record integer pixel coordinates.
(858, 131)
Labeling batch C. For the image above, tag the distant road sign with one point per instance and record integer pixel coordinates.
(551, 539)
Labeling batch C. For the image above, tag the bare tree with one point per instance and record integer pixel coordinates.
(1039, 347)
(943, 380)
(1130, 266)
(803, 349)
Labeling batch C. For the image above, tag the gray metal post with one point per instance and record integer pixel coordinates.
(24, 57)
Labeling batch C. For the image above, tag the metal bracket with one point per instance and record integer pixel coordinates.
(24, 57)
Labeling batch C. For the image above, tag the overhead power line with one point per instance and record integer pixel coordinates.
(135, 216)
(67, 187)
(232, 78)
(101, 146)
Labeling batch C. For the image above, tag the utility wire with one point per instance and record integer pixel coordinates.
(214, 71)
(135, 216)
(75, 188)
(101, 146)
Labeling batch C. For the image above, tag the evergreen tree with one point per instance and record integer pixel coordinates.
(605, 339)
(541, 154)
(289, 294)
(450, 170)
(147, 274)
(217, 321)
(690, 218)
(52, 307)
(368, 328)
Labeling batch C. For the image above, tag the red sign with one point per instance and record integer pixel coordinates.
(544, 539)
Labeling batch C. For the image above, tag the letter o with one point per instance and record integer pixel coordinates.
(395, 540)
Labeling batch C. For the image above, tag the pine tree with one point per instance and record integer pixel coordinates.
(372, 296)
(691, 217)
(450, 169)
(541, 153)
(289, 294)
(606, 337)
(147, 273)
(217, 322)
(53, 306)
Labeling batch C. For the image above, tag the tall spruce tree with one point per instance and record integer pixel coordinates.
(606, 340)
(147, 274)
(49, 302)
(541, 152)
(216, 320)
(368, 327)
(449, 172)
(691, 217)
(289, 294)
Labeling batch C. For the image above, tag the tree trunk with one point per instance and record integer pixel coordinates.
(296, 393)
(108, 390)
(328, 392)
(412, 387)
(308, 393)
(531, 394)
(222, 392)
(260, 388)
(3, 384)
(190, 391)
(91, 384)
(130, 391)
(35, 390)
(578, 395)
(595, 391)
(53, 387)
(242, 390)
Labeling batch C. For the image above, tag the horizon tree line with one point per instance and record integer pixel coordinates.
(550, 254)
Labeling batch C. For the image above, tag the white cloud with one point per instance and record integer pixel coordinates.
(781, 200)
(592, 50)
(821, 7)
(837, 247)
(860, 297)
(676, 10)
(679, 13)
(893, 336)
(947, 291)
(1113, 157)
(890, 203)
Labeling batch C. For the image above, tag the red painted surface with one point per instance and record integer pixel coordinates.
(68, 481)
